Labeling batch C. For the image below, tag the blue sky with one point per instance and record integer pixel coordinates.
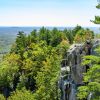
(47, 12)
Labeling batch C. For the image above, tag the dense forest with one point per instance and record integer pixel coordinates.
(31, 70)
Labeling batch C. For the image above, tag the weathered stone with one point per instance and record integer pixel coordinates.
(71, 68)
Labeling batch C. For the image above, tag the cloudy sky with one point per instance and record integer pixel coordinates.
(47, 12)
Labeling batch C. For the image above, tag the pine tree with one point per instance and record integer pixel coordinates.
(91, 89)
(97, 18)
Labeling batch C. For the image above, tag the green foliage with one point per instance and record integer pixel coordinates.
(2, 97)
(97, 36)
(83, 92)
(70, 35)
(34, 63)
(33, 37)
(97, 50)
(56, 37)
(47, 79)
(21, 95)
(97, 18)
(98, 6)
(83, 35)
(8, 68)
(76, 29)
(91, 78)
(91, 60)
(45, 35)
(63, 47)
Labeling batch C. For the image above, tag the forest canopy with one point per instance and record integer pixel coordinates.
(31, 69)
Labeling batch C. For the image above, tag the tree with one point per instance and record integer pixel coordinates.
(8, 69)
(76, 29)
(91, 89)
(62, 48)
(84, 35)
(34, 36)
(2, 97)
(91, 78)
(97, 18)
(47, 79)
(45, 35)
(20, 45)
(56, 37)
(69, 34)
(22, 94)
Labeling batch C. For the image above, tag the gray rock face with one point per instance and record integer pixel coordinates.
(71, 68)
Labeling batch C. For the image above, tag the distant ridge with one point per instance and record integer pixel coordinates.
(16, 29)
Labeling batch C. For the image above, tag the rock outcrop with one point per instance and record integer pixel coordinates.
(71, 68)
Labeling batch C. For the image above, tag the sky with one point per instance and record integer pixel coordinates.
(47, 12)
